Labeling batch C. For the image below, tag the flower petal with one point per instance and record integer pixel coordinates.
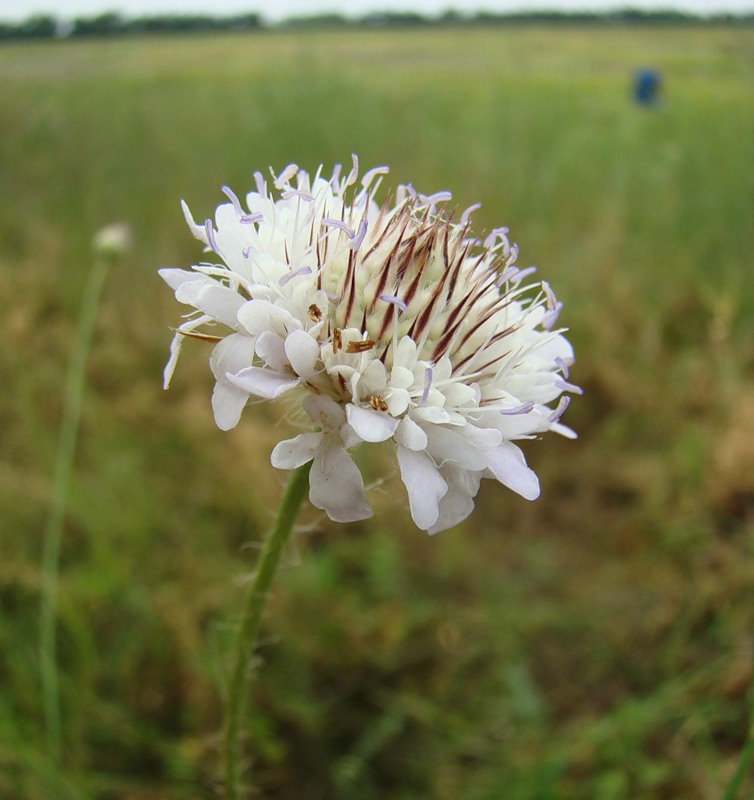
(228, 402)
(451, 446)
(263, 382)
(232, 354)
(292, 453)
(507, 463)
(424, 484)
(458, 502)
(220, 303)
(336, 485)
(302, 351)
(271, 349)
(324, 411)
(174, 277)
(371, 425)
(411, 435)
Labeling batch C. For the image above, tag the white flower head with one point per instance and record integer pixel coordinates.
(113, 240)
(389, 323)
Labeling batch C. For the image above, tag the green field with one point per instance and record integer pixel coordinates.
(594, 645)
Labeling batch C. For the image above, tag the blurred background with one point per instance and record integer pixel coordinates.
(594, 644)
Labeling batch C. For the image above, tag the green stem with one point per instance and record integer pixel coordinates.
(742, 770)
(747, 754)
(69, 428)
(252, 614)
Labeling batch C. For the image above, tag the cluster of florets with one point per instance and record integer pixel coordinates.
(387, 322)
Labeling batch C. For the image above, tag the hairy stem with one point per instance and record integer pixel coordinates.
(236, 701)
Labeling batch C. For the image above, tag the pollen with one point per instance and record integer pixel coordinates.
(337, 340)
(315, 312)
(378, 403)
(360, 347)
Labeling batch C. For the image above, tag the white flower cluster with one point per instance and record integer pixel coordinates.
(391, 323)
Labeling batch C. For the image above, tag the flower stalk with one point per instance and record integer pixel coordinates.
(236, 701)
(108, 245)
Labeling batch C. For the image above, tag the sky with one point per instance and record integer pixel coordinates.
(274, 10)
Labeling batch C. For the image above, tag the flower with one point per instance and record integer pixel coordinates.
(393, 322)
(113, 240)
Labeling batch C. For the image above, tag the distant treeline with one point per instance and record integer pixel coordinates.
(47, 26)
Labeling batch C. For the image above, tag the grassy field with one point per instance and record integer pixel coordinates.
(596, 644)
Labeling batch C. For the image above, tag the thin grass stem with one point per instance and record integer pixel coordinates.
(66, 449)
(747, 753)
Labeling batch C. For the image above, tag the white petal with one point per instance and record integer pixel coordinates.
(188, 291)
(232, 354)
(197, 230)
(482, 437)
(261, 315)
(228, 402)
(220, 303)
(324, 411)
(371, 425)
(294, 452)
(372, 380)
(448, 445)
(302, 351)
(424, 484)
(336, 485)
(405, 353)
(401, 378)
(397, 401)
(434, 414)
(174, 277)
(458, 503)
(175, 346)
(564, 430)
(271, 349)
(509, 466)
(410, 435)
(459, 395)
(262, 382)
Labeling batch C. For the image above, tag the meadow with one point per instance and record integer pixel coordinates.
(594, 645)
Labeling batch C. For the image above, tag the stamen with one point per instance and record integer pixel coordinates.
(524, 408)
(494, 235)
(360, 346)
(378, 403)
(282, 180)
(437, 197)
(231, 195)
(335, 175)
(551, 317)
(300, 193)
(371, 174)
(395, 300)
(210, 231)
(294, 273)
(358, 237)
(353, 174)
(558, 413)
(562, 366)
(428, 373)
(564, 386)
(261, 184)
(337, 340)
(315, 312)
(469, 211)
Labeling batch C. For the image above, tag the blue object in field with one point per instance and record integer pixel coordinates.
(646, 86)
